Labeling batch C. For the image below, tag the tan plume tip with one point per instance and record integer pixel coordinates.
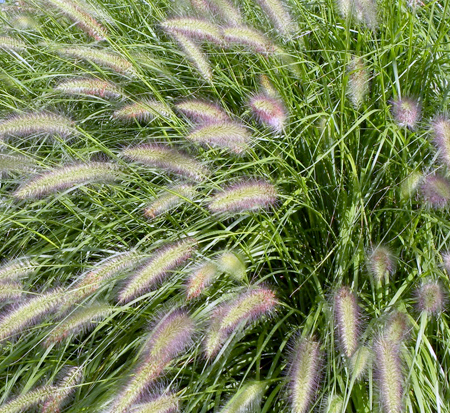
(93, 87)
(10, 290)
(37, 123)
(268, 88)
(161, 156)
(68, 176)
(358, 82)
(158, 267)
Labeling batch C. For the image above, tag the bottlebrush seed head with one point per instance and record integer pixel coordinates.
(79, 322)
(410, 184)
(195, 54)
(215, 336)
(244, 196)
(66, 177)
(226, 10)
(27, 401)
(445, 258)
(200, 278)
(268, 88)
(161, 156)
(397, 327)
(143, 111)
(279, 15)
(406, 112)
(431, 297)
(9, 43)
(441, 132)
(10, 163)
(233, 264)
(10, 290)
(251, 38)
(18, 268)
(202, 111)
(347, 319)
(229, 135)
(333, 404)
(269, 111)
(360, 362)
(168, 403)
(157, 268)
(169, 200)
(92, 87)
(246, 399)
(381, 263)
(388, 373)
(37, 123)
(435, 189)
(304, 374)
(194, 28)
(23, 22)
(29, 312)
(358, 81)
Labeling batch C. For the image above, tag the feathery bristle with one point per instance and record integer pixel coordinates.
(347, 318)
(233, 264)
(161, 156)
(37, 123)
(143, 111)
(406, 112)
(397, 327)
(333, 404)
(280, 17)
(435, 189)
(194, 28)
(158, 267)
(163, 404)
(246, 399)
(18, 268)
(251, 38)
(9, 43)
(389, 375)
(31, 311)
(441, 132)
(202, 111)
(200, 278)
(10, 290)
(358, 82)
(66, 177)
(100, 57)
(9, 163)
(360, 362)
(304, 374)
(29, 400)
(195, 54)
(268, 88)
(169, 200)
(214, 336)
(410, 185)
(244, 196)
(431, 297)
(94, 87)
(79, 322)
(445, 259)
(270, 111)
(226, 10)
(381, 263)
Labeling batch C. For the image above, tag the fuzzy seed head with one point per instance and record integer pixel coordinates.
(29, 400)
(358, 82)
(441, 138)
(200, 279)
(279, 15)
(14, 269)
(304, 374)
(381, 263)
(389, 375)
(157, 268)
(244, 196)
(10, 290)
(246, 399)
(410, 185)
(333, 404)
(248, 37)
(228, 135)
(202, 111)
(397, 327)
(445, 258)
(161, 156)
(9, 163)
(347, 316)
(144, 111)
(360, 361)
(169, 200)
(406, 112)
(91, 87)
(66, 177)
(24, 22)
(163, 404)
(37, 123)
(215, 336)
(233, 264)
(435, 189)
(9, 43)
(194, 28)
(269, 111)
(431, 297)
(268, 88)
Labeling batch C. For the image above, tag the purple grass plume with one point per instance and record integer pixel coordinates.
(171, 160)
(200, 278)
(445, 259)
(143, 111)
(10, 290)
(17, 268)
(381, 264)
(244, 196)
(435, 189)
(397, 327)
(304, 374)
(194, 28)
(202, 111)
(441, 137)
(279, 16)
(406, 112)
(157, 268)
(168, 339)
(269, 111)
(167, 403)
(229, 135)
(90, 87)
(347, 319)
(431, 297)
(248, 37)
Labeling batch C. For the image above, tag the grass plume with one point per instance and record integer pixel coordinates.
(92, 87)
(142, 111)
(169, 200)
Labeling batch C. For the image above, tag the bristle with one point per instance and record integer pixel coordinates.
(441, 138)
(251, 38)
(232, 264)
(397, 327)
(161, 156)
(280, 17)
(347, 319)
(29, 400)
(143, 111)
(381, 263)
(244, 196)
(360, 361)
(269, 111)
(268, 88)
(202, 111)
(29, 312)
(168, 403)
(158, 267)
(445, 259)
(304, 374)
(410, 185)
(10, 163)
(333, 404)
(435, 189)
(79, 322)
(10, 290)
(200, 278)
(9, 43)
(194, 28)
(226, 10)
(93, 87)
(358, 82)
(66, 177)
(37, 123)
(431, 297)
(169, 200)
(246, 399)
(18, 268)
(406, 112)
